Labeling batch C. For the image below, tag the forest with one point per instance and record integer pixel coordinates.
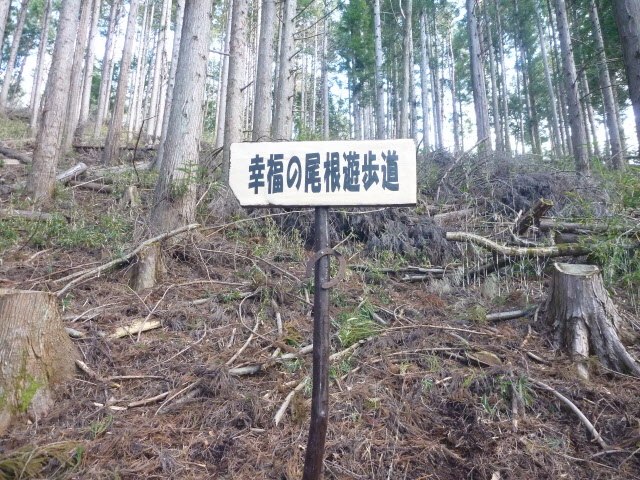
(154, 326)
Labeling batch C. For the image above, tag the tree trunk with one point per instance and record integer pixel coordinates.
(4, 13)
(454, 101)
(264, 76)
(35, 354)
(586, 96)
(13, 54)
(325, 82)
(177, 37)
(556, 140)
(424, 81)
(157, 70)
(505, 93)
(85, 102)
(284, 98)
(37, 80)
(174, 202)
(75, 92)
(41, 180)
(221, 114)
(497, 126)
(585, 320)
(136, 120)
(578, 134)
(435, 90)
(107, 68)
(377, 39)
(235, 82)
(477, 78)
(627, 14)
(112, 143)
(403, 126)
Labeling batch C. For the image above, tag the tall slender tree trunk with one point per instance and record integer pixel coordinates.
(505, 93)
(177, 38)
(556, 140)
(13, 54)
(264, 78)
(112, 143)
(41, 180)
(607, 91)
(424, 81)
(5, 6)
(586, 96)
(454, 101)
(37, 80)
(497, 125)
(377, 40)
(174, 200)
(477, 78)
(435, 89)
(237, 64)
(224, 78)
(284, 98)
(578, 134)
(627, 13)
(88, 69)
(107, 68)
(325, 81)
(157, 73)
(75, 93)
(403, 125)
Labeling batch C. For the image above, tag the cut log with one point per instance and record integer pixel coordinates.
(584, 319)
(35, 354)
(548, 224)
(11, 153)
(72, 173)
(32, 216)
(533, 216)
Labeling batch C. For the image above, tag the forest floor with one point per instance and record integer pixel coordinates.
(425, 387)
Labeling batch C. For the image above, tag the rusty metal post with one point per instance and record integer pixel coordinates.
(314, 457)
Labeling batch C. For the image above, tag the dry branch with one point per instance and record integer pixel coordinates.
(568, 249)
(283, 408)
(72, 173)
(32, 216)
(11, 153)
(533, 216)
(78, 277)
(96, 187)
(141, 325)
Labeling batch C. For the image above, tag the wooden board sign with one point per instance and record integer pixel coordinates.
(311, 174)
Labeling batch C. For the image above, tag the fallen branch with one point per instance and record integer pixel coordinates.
(78, 277)
(96, 187)
(72, 173)
(147, 401)
(585, 421)
(283, 408)
(94, 375)
(496, 317)
(567, 249)
(443, 218)
(31, 216)
(11, 153)
(533, 216)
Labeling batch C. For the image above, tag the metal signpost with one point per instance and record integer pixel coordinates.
(323, 174)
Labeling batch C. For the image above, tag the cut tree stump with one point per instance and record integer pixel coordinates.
(533, 216)
(35, 353)
(585, 320)
(145, 271)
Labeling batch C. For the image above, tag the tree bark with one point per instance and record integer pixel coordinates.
(15, 44)
(424, 81)
(107, 68)
(497, 125)
(627, 13)
(112, 143)
(88, 70)
(532, 216)
(403, 126)
(37, 80)
(235, 83)
(221, 114)
(377, 40)
(135, 114)
(35, 354)
(325, 82)
(75, 92)
(4, 13)
(284, 98)
(174, 202)
(264, 75)
(576, 121)
(477, 78)
(42, 178)
(505, 93)
(177, 37)
(585, 320)
(157, 69)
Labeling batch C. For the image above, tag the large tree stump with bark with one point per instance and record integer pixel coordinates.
(585, 320)
(35, 353)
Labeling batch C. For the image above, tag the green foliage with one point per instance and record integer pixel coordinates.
(30, 462)
(98, 428)
(356, 326)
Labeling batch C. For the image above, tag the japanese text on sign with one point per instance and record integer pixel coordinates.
(376, 172)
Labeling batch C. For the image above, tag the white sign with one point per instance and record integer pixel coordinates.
(318, 174)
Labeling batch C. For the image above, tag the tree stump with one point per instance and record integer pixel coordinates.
(585, 320)
(35, 353)
(146, 270)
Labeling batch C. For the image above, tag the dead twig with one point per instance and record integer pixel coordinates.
(283, 408)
